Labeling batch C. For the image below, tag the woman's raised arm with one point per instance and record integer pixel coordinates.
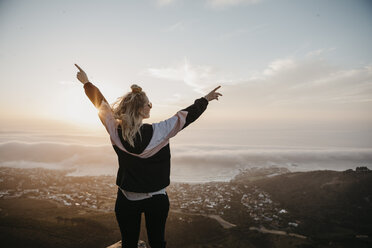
(93, 93)
(164, 130)
(95, 96)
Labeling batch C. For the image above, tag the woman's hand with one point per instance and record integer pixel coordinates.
(81, 75)
(213, 94)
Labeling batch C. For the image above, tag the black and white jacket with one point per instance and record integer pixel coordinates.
(146, 166)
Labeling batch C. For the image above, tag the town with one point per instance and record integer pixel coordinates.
(237, 202)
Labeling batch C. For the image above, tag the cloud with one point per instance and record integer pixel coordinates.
(189, 162)
(198, 77)
(197, 163)
(319, 52)
(308, 88)
(310, 83)
(88, 160)
(279, 65)
(224, 161)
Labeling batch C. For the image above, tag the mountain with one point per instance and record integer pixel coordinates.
(333, 207)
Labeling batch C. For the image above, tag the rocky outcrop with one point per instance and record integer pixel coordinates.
(141, 244)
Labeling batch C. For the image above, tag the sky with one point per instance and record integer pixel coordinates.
(292, 73)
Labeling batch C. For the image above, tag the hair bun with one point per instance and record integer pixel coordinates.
(135, 88)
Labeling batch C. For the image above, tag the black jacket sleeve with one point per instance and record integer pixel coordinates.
(195, 110)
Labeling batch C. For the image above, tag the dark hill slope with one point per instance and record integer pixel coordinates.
(331, 205)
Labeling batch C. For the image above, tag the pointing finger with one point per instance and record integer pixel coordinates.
(78, 67)
(217, 88)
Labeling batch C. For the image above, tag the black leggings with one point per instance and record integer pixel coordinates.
(128, 215)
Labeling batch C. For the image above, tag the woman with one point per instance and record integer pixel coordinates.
(144, 158)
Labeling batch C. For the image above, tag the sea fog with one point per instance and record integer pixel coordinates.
(197, 155)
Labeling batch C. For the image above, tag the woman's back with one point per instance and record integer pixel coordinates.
(141, 141)
(141, 174)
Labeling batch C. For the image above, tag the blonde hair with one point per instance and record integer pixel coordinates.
(128, 109)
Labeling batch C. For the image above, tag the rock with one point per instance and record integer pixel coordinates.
(141, 244)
